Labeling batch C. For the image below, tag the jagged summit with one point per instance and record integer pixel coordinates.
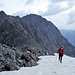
(3, 16)
(34, 16)
(2, 13)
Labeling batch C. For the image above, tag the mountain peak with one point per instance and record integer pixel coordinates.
(31, 15)
(2, 13)
(34, 17)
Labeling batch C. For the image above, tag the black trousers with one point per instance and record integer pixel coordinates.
(60, 56)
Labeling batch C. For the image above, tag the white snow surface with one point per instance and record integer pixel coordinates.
(48, 65)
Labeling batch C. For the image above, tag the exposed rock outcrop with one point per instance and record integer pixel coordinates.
(12, 58)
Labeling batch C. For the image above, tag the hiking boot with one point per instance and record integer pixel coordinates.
(60, 61)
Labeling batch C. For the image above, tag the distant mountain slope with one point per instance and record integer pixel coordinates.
(69, 35)
(34, 31)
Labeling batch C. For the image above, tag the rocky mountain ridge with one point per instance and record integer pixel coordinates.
(34, 31)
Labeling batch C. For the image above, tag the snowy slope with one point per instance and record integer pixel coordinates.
(48, 65)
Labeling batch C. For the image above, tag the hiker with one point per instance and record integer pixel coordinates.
(61, 52)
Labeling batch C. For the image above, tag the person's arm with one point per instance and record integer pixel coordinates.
(58, 51)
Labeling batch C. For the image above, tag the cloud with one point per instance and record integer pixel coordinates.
(33, 6)
(58, 6)
(62, 1)
(55, 8)
(71, 4)
(1, 6)
(20, 13)
(29, 2)
(71, 17)
(57, 1)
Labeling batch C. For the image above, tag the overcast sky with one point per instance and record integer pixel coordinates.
(60, 12)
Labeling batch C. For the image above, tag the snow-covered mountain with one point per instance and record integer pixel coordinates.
(69, 35)
(48, 65)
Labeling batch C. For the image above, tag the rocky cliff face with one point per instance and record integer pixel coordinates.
(32, 31)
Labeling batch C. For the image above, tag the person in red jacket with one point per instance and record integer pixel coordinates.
(61, 52)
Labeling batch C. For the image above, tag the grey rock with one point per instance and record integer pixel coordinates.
(11, 59)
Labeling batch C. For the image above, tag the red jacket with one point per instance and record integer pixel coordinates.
(61, 51)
